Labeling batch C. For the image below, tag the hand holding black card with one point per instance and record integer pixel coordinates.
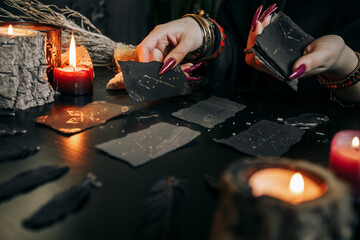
(279, 46)
(143, 82)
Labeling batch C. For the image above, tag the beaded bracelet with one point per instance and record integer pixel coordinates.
(350, 80)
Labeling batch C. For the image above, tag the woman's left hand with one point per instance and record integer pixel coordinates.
(327, 54)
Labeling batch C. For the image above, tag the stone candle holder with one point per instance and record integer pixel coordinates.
(244, 214)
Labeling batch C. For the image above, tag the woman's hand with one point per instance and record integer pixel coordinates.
(170, 43)
(258, 25)
(327, 54)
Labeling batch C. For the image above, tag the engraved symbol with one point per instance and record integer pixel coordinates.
(287, 36)
(76, 117)
(42, 119)
(150, 82)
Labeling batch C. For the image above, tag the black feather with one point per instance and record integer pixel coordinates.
(30, 179)
(62, 204)
(14, 153)
(162, 209)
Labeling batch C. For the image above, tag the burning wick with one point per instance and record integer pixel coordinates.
(10, 30)
(297, 186)
(72, 53)
(355, 143)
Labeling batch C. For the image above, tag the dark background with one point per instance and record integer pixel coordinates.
(129, 21)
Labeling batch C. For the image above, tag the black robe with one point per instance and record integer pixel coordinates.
(316, 17)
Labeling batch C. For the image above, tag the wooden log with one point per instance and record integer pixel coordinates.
(23, 79)
(240, 215)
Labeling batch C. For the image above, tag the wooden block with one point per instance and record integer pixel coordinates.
(23, 71)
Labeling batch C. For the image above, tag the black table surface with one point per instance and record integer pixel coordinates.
(114, 210)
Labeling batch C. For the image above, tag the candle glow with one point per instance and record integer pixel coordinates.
(297, 185)
(72, 53)
(286, 185)
(355, 143)
(10, 30)
(75, 76)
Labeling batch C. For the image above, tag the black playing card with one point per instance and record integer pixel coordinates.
(281, 43)
(143, 82)
(140, 147)
(209, 112)
(80, 118)
(265, 138)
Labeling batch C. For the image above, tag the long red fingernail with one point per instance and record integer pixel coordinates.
(300, 70)
(268, 11)
(256, 17)
(168, 65)
(193, 68)
(192, 79)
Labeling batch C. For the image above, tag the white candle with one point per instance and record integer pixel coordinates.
(286, 185)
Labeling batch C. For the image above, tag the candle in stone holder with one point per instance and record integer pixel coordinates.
(22, 69)
(345, 156)
(282, 199)
(52, 43)
(75, 76)
(286, 185)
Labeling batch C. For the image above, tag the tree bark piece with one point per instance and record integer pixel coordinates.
(23, 79)
(240, 215)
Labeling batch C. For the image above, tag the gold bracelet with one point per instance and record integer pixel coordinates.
(208, 38)
(348, 81)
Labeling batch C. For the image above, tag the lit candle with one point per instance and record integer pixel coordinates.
(23, 68)
(345, 156)
(282, 198)
(74, 79)
(53, 43)
(10, 30)
(15, 32)
(285, 185)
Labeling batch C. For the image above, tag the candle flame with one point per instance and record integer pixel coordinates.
(355, 143)
(297, 184)
(72, 53)
(10, 30)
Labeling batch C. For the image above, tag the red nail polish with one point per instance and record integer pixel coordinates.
(192, 68)
(268, 11)
(192, 79)
(168, 65)
(256, 17)
(299, 71)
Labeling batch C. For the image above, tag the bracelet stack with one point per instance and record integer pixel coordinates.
(213, 38)
(350, 80)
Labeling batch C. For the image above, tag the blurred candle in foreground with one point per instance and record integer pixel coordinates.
(345, 156)
(286, 185)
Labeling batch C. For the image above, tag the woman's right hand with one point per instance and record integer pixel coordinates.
(170, 43)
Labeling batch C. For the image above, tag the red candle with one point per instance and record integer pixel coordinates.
(74, 82)
(74, 79)
(345, 156)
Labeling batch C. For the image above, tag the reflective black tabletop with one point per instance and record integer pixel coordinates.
(114, 210)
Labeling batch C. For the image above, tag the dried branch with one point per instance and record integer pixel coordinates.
(100, 47)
